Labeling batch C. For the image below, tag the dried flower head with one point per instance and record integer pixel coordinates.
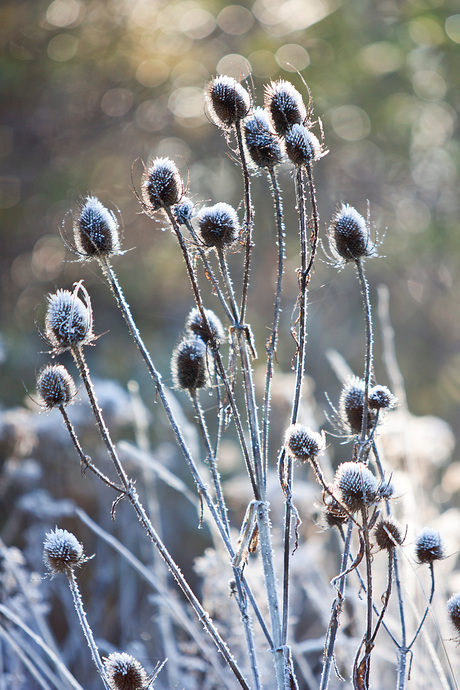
(381, 398)
(285, 106)
(218, 225)
(351, 406)
(264, 147)
(333, 514)
(162, 185)
(227, 101)
(183, 211)
(349, 235)
(453, 609)
(302, 146)
(302, 443)
(69, 319)
(124, 672)
(62, 552)
(388, 533)
(189, 364)
(429, 546)
(96, 231)
(55, 386)
(196, 325)
(357, 485)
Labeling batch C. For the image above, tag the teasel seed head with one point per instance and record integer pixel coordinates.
(184, 210)
(333, 513)
(162, 185)
(302, 443)
(55, 386)
(388, 533)
(189, 364)
(218, 225)
(453, 609)
(302, 146)
(284, 105)
(96, 231)
(124, 672)
(228, 102)
(349, 235)
(429, 546)
(351, 406)
(264, 147)
(62, 552)
(357, 485)
(69, 319)
(381, 398)
(196, 325)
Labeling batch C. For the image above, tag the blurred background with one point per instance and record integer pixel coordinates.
(91, 89)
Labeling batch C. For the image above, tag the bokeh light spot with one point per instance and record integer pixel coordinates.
(429, 85)
(263, 63)
(152, 115)
(234, 65)
(47, 257)
(152, 72)
(452, 25)
(187, 102)
(62, 47)
(426, 31)
(381, 58)
(197, 23)
(350, 122)
(235, 20)
(413, 215)
(62, 13)
(292, 57)
(116, 102)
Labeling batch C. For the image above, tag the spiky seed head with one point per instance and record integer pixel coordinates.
(189, 364)
(386, 489)
(55, 386)
(302, 146)
(218, 225)
(349, 235)
(351, 406)
(227, 101)
(453, 609)
(284, 105)
(264, 147)
(62, 552)
(96, 231)
(124, 672)
(162, 185)
(381, 398)
(388, 533)
(302, 443)
(429, 546)
(357, 485)
(196, 325)
(183, 211)
(69, 320)
(333, 513)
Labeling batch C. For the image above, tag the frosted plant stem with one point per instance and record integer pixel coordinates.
(88, 633)
(272, 342)
(248, 221)
(331, 634)
(364, 285)
(133, 497)
(430, 600)
(361, 671)
(402, 651)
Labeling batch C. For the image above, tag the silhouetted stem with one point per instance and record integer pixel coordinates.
(368, 356)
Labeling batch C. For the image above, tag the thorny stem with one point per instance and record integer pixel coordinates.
(88, 633)
(248, 221)
(133, 497)
(361, 672)
(369, 355)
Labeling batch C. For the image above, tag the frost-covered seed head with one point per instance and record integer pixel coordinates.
(218, 225)
(302, 146)
(351, 406)
(453, 609)
(358, 486)
(264, 147)
(228, 101)
(69, 320)
(429, 546)
(62, 552)
(162, 185)
(96, 230)
(183, 211)
(284, 105)
(388, 534)
(349, 235)
(302, 443)
(55, 386)
(381, 398)
(189, 364)
(124, 672)
(196, 325)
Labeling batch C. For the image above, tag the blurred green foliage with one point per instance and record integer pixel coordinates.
(90, 89)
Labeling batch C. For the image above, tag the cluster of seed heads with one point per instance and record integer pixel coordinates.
(351, 404)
